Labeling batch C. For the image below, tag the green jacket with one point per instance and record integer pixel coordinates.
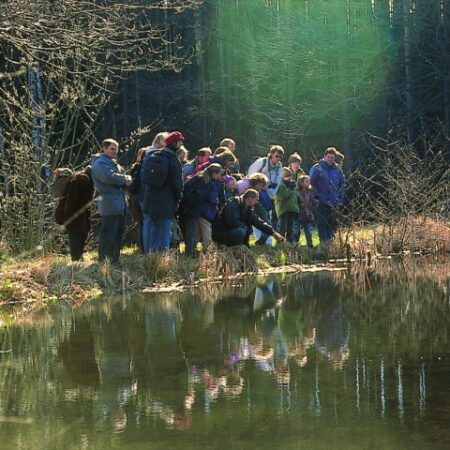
(285, 200)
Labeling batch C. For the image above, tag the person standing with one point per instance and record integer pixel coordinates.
(111, 183)
(271, 166)
(328, 181)
(73, 211)
(286, 207)
(160, 203)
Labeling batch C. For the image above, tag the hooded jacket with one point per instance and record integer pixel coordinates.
(110, 182)
(286, 199)
(329, 183)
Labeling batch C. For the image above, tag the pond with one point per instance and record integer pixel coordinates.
(345, 359)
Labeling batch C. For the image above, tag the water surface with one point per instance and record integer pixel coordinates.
(346, 360)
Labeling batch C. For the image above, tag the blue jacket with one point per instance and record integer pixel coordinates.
(200, 199)
(329, 183)
(163, 201)
(110, 183)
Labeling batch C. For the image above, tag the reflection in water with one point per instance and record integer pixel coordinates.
(362, 355)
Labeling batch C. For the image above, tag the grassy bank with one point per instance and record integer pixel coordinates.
(38, 277)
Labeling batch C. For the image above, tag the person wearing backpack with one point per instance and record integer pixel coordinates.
(271, 166)
(111, 183)
(73, 211)
(201, 205)
(161, 178)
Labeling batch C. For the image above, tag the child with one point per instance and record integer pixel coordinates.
(286, 206)
(307, 203)
(230, 187)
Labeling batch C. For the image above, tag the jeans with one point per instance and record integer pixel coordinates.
(110, 241)
(156, 235)
(307, 227)
(326, 222)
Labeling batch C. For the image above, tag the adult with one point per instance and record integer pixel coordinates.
(201, 157)
(110, 182)
(160, 204)
(294, 164)
(201, 205)
(158, 142)
(270, 166)
(73, 211)
(238, 216)
(328, 181)
(231, 145)
(136, 194)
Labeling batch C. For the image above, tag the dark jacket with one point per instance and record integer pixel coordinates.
(329, 183)
(237, 214)
(73, 209)
(201, 199)
(163, 201)
(110, 182)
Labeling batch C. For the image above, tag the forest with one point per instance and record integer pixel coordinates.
(370, 77)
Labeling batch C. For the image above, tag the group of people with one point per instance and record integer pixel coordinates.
(205, 200)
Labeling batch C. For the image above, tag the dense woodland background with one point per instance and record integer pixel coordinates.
(368, 76)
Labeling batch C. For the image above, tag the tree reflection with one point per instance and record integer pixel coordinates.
(324, 345)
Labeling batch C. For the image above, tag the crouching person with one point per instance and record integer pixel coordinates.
(234, 226)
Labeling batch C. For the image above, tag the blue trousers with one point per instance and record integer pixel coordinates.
(326, 222)
(156, 233)
(307, 228)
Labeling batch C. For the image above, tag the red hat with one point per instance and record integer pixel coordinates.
(173, 137)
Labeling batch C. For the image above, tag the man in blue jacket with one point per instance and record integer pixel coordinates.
(328, 181)
(111, 183)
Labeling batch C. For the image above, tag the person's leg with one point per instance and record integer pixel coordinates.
(110, 239)
(308, 227)
(283, 223)
(205, 231)
(235, 236)
(146, 232)
(120, 228)
(323, 213)
(77, 241)
(160, 235)
(295, 229)
(289, 226)
(190, 235)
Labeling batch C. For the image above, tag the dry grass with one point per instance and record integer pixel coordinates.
(54, 277)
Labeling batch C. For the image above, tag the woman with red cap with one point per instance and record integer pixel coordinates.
(160, 204)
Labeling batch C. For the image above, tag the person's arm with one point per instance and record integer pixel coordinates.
(255, 167)
(108, 175)
(263, 226)
(313, 175)
(176, 178)
(341, 187)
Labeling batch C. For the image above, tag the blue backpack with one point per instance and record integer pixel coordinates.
(155, 169)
